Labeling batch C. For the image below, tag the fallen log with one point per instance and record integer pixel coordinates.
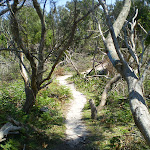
(11, 127)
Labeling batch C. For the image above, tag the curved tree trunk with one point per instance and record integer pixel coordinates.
(30, 95)
(106, 90)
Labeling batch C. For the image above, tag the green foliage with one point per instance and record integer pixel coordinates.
(39, 127)
(114, 128)
(11, 98)
(115, 142)
(31, 25)
(3, 40)
(10, 145)
(49, 38)
(91, 86)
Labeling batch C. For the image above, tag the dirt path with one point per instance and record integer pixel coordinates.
(75, 128)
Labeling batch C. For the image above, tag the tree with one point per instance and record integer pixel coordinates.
(24, 32)
(135, 82)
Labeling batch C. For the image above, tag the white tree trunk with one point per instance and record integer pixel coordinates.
(137, 103)
(139, 108)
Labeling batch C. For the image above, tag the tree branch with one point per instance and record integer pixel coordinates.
(66, 46)
(113, 51)
(106, 90)
(112, 31)
(146, 70)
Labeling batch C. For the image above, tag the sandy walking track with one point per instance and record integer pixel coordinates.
(75, 128)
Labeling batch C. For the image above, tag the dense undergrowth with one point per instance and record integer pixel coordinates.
(114, 128)
(41, 130)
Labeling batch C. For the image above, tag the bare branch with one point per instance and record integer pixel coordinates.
(142, 28)
(106, 90)
(44, 6)
(130, 48)
(145, 72)
(9, 8)
(4, 11)
(111, 29)
(46, 84)
(21, 5)
(10, 49)
(69, 58)
(143, 49)
(98, 76)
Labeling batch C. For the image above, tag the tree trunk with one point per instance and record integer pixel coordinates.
(138, 107)
(137, 103)
(106, 90)
(30, 95)
(93, 109)
(30, 99)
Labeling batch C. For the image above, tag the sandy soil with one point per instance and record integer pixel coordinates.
(75, 128)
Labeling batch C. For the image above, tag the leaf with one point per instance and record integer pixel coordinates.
(44, 145)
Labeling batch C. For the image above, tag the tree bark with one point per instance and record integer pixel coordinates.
(93, 109)
(138, 107)
(72, 63)
(137, 103)
(106, 90)
(30, 99)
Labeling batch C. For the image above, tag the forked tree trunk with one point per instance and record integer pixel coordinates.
(30, 94)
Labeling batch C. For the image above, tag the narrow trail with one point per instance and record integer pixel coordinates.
(75, 128)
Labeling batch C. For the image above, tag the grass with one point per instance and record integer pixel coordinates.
(114, 128)
(41, 130)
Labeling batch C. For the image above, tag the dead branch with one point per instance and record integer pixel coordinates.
(98, 76)
(106, 90)
(145, 72)
(70, 60)
(12, 127)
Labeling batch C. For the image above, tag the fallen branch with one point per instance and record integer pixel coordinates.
(106, 90)
(11, 127)
(98, 76)
(94, 109)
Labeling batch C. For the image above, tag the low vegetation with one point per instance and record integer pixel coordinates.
(40, 129)
(115, 127)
